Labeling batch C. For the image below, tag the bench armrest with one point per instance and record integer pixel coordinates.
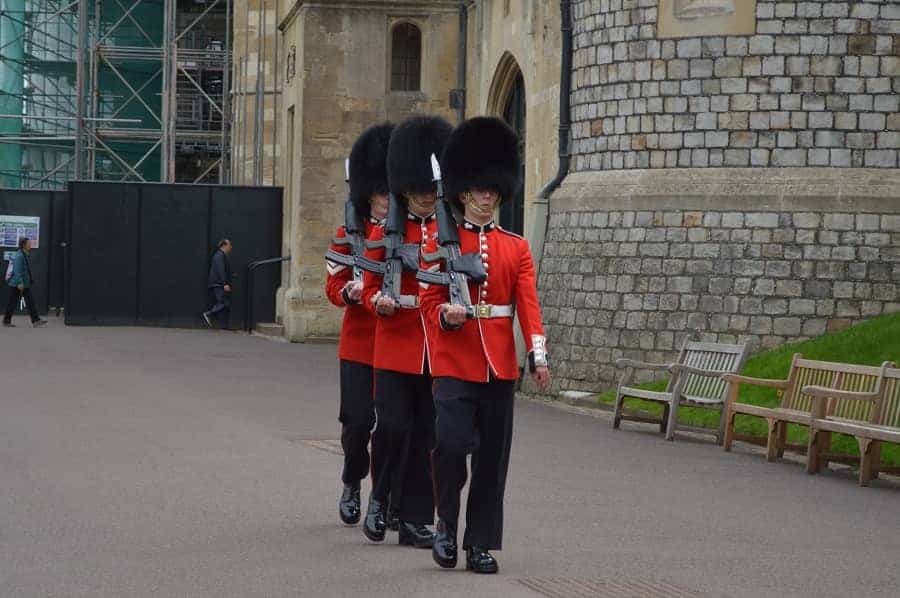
(767, 382)
(823, 392)
(643, 365)
(677, 368)
(820, 395)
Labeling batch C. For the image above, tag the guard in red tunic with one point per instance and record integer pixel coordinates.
(403, 401)
(472, 348)
(368, 204)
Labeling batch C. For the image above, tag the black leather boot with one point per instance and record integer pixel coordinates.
(480, 560)
(393, 518)
(415, 534)
(349, 504)
(374, 527)
(444, 552)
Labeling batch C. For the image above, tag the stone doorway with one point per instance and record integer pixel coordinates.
(507, 100)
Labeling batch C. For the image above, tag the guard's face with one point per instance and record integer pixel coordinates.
(482, 202)
(379, 203)
(422, 204)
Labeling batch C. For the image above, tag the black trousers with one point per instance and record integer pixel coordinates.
(222, 309)
(357, 417)
(405, 431)
(14, 295)
(477, 419)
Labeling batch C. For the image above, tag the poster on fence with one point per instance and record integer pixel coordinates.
(13, 228)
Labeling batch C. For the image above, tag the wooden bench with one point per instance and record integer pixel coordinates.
(871, 417)
(695, 381)
(796, 405)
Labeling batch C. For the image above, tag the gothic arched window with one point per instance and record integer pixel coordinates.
(406, 57)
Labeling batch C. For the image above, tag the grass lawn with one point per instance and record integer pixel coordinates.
(869, 343)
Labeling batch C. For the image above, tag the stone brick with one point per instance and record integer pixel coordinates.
(828, 237)
(881, 158)
(783, 157)
(762, 220)
(816, 252)
(814, 327)
(861, 140)
(807, 220)
(762, 44)
(826, 66)
(841, 158)
(760, 325)
(890, 223)
(689, 48)
(748, 267)
(745, 102)
(736, 46)
(778, 269)
(789, 288)
(821, 120)
(759, 157)
(713, 46)
(887, 103)
(872, 122)
(787, 326)
(813, 44)
(861, 44)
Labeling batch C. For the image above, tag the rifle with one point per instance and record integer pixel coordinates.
(355, 237)
(460, 268)
(397, 255)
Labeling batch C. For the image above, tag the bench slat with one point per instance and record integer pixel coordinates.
(650, 395)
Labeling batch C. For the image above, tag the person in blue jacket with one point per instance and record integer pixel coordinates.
(219, 283)
(20, 283)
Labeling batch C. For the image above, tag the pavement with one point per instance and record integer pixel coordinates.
(151, 462)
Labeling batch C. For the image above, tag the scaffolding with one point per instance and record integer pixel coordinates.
(114, 90)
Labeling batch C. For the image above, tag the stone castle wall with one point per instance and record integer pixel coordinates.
(816, 85)
(636, 261)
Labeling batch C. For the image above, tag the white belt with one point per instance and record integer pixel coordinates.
(408, 301)
(485, 311)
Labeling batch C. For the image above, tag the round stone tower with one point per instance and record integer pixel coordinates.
(734, 176)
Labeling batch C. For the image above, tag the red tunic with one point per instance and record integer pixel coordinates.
(485, 346)
(399, 339)
(358, 329)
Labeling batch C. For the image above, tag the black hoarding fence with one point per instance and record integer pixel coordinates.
(23, 212)
(139, 253)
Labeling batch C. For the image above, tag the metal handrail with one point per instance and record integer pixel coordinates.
(249, 287)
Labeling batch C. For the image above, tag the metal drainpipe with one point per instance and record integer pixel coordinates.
(565, 89)
(541, 205)
(461, 61)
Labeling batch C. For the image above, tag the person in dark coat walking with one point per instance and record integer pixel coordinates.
(20, 283)
(219, 284)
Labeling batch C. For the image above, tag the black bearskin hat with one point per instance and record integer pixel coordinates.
(482, 153)
(368, 168)
(409, 154)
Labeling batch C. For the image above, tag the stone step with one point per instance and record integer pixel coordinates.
(269, 329)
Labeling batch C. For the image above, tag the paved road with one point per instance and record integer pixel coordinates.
(147, 462)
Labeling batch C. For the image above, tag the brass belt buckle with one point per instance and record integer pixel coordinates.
(483, 310)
